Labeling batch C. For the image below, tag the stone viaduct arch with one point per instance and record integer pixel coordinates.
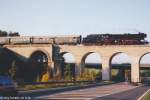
(143, 56)
(107, 52)
(25, 53)
(27, 50)
(123, 72)
(87, 54)
(90, 67)
(144, 67)
(68, 67)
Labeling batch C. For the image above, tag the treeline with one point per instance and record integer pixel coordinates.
(5, 33)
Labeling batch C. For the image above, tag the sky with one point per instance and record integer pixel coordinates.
(75, 17)
(96, 58)
(54, 17)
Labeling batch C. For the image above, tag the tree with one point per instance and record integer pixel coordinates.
(3, 33)
(68, 72)
(45, 77)
(13, 70)
(14, 34)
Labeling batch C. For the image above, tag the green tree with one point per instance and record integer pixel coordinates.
(13, 70)
(14, 34)
(68, 72)
(3, 33)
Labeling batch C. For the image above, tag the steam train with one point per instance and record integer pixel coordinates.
(60, 40)
(115, 39)
(92, 39)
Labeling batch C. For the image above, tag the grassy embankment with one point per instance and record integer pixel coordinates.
(147, 96)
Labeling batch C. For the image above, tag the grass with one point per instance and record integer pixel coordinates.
(45, 86)
(147, 96)
(42, 86)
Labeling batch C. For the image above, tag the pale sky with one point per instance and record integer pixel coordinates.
(49, 17)
(95, 58)
(78, 17)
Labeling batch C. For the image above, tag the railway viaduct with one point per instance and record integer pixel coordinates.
(107, 52)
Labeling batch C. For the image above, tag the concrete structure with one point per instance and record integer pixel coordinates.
(107, 52)
(25, 52)
(80, 52)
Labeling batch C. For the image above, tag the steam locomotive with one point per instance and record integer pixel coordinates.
(115, 39)
(92, 39)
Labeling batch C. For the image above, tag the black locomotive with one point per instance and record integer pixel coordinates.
(115, 39)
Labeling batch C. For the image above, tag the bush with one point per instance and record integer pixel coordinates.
(45, 77)
(89, 74)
